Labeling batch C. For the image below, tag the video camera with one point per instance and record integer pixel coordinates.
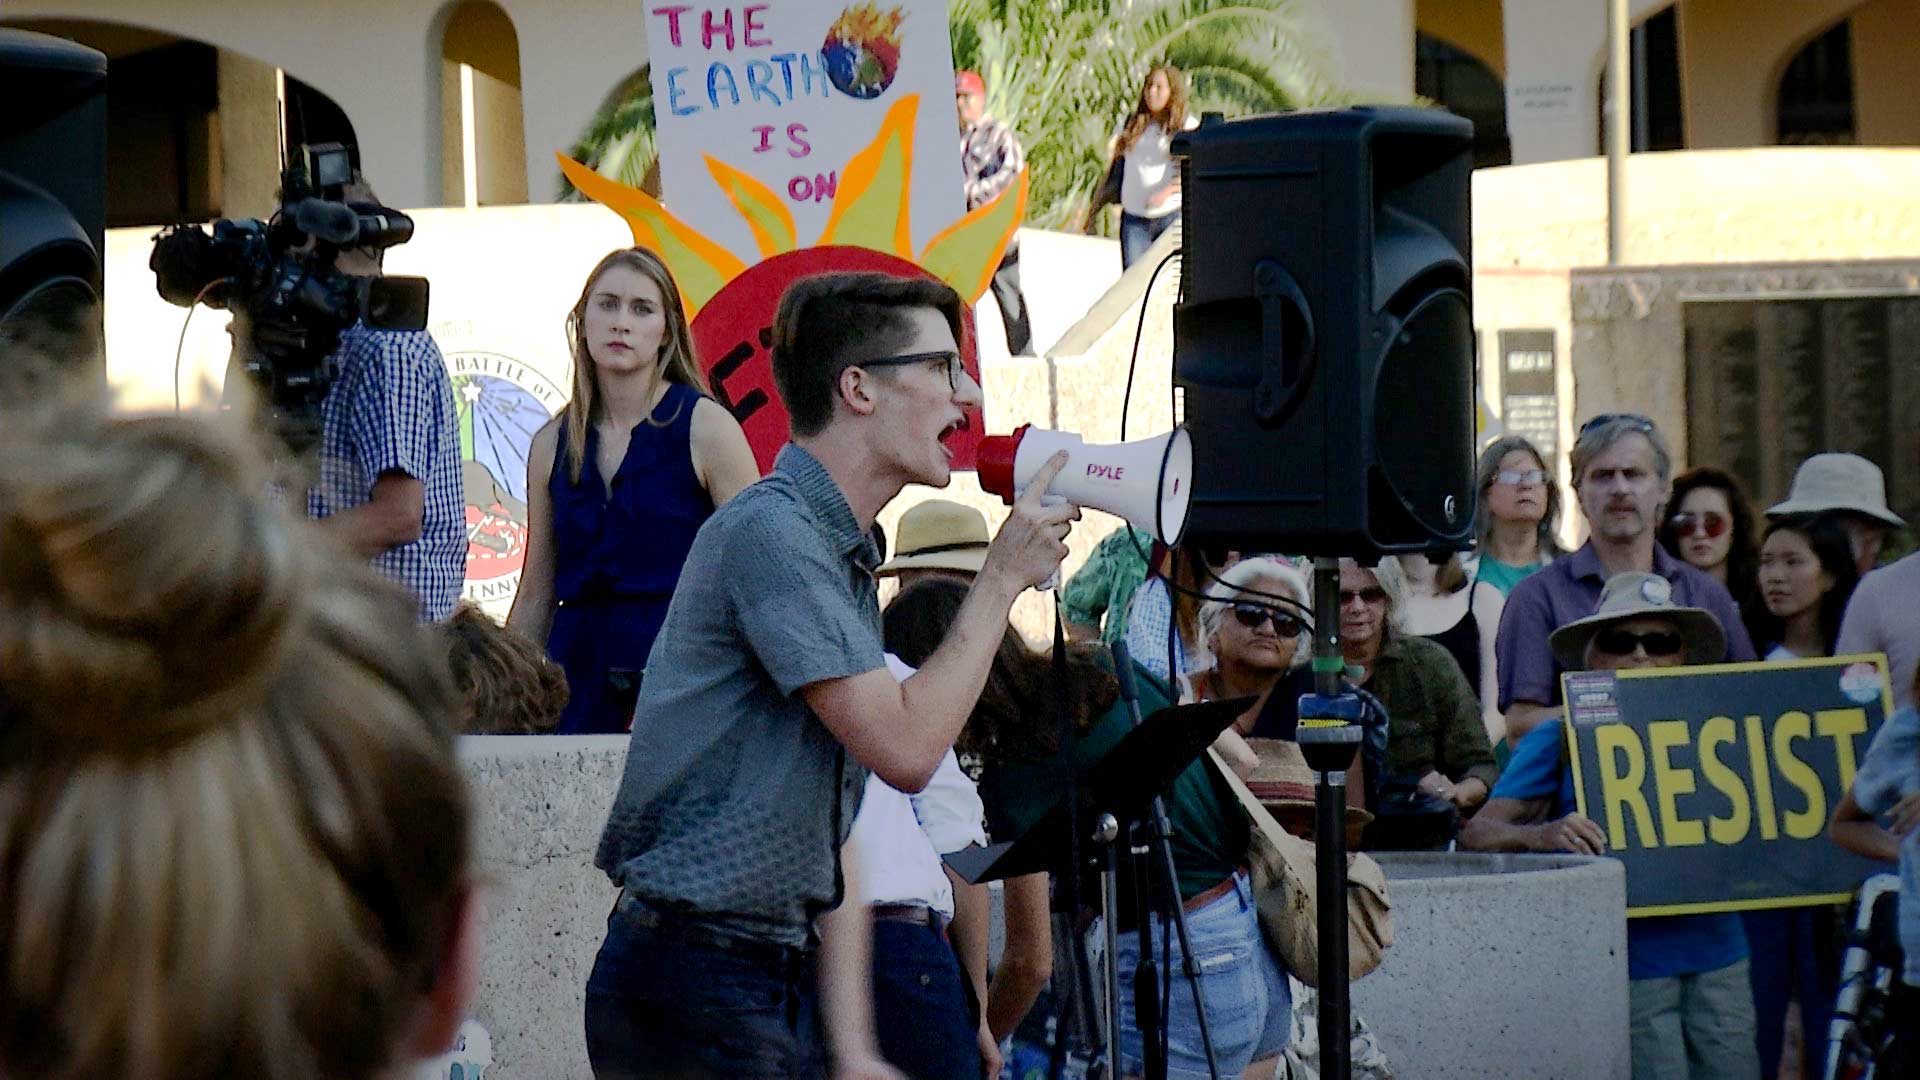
(280, 275)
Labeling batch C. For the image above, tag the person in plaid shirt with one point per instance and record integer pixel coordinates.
(991, 156)
(388, 483)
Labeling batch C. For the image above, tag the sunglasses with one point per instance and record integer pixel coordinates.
(947, 358)
(1622, 642)
(1252, 615)
(1711, 524)
(1372, 594)
(1640, 423)
(1517, 477)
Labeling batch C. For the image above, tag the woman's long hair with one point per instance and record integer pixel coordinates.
(1015, 715)
(1830, 544)
(1743, 556)
(677, 361)
(1171, 119)
(1489, 468)
(234, 838)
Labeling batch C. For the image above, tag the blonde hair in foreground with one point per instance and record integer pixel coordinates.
(233, 836)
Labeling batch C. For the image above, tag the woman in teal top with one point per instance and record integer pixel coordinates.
(1519, 511)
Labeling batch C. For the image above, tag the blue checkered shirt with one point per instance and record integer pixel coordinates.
(392, 409)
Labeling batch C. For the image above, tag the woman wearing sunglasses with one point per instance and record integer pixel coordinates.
(1807, 575)
(1710, 525)
(1436, 738)
(1251, 628)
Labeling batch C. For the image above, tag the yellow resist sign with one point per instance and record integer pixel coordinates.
(1714, 784)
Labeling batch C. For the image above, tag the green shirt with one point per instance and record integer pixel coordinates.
(1504, 576)
(1106, 584)
(1209, 830)
(1436, 718)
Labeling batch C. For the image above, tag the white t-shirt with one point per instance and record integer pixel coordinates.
(896, 834)
(1147, 169)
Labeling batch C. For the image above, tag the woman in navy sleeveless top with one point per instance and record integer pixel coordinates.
(618, 485)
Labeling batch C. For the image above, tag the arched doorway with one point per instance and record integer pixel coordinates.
(1814, 105)
(195, 131)
(1465, 85)
(482, 129)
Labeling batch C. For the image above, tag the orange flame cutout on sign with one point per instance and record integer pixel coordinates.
(870, 210)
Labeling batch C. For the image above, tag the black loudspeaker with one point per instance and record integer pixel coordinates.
(1323, 341)
(53, 173)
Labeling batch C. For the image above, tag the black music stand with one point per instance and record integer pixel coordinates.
(1122, 783)
(1121, 788)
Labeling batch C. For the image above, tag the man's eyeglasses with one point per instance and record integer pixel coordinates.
(1517, 477)
(1711, 524)
(1252, 615)
(1372, 594)
(1621, 642)
(1640, 423)
(947, 358)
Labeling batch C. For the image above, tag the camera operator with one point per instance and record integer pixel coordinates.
(387, 480)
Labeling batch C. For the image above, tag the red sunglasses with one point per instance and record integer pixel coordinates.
(1712, 524)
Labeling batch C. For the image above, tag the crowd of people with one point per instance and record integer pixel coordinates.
(237, 840)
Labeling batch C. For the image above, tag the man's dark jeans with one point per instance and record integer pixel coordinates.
(922, 1017)
(670, 1000)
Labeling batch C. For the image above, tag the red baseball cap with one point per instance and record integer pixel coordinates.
(968, 82)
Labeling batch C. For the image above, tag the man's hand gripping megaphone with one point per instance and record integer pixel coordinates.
(1027, 551)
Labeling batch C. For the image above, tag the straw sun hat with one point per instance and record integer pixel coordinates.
(1282, 780)
(1635, 595)
(939, 534)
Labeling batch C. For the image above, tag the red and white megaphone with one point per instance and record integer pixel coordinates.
(1149, 482)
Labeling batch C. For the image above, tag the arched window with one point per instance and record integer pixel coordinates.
(195, 131)
(1463, 84)
(1815, 104)
(483, 134)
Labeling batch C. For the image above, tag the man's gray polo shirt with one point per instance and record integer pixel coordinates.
(736, 798)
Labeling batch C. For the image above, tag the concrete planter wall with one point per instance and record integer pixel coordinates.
(541, 801)
(1502, 965)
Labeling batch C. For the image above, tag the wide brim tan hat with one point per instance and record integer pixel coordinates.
(1283, 780)
(1838, 482)
(1639, 595)
(939, 534)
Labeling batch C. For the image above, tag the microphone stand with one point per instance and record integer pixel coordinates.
(1329, 733)
(1152, 852)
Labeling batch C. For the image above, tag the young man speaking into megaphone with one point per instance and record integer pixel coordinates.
(768, 699)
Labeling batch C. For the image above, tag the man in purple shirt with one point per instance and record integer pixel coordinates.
(1622, 476)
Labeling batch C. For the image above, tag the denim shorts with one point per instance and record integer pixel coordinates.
(1249, 1008)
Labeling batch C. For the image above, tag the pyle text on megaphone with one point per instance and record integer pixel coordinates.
(1148, 482)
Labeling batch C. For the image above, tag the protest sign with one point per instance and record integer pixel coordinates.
(1714, 783)
(798, 139)
(787, 94)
